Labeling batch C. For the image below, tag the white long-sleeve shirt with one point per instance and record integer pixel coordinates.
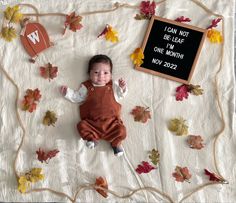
(80, 95)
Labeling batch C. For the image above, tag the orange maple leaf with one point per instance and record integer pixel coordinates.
(181, 174)
(101, 182)
(30, 99)
(141, 114)
(195, 142)
(73, 22)
(49, 71)
(137, 56)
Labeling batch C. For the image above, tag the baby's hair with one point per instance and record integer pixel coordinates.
(99, 59)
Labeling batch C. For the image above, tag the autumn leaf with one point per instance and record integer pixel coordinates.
(215, 177)
(181, 174)
(147, 10)
(178, 125)
(195, 89)
(182, 19)
(102, 182)
(8, 33)
(214, 36)
(73, 22)
(137, 56)
(49, 71)
(30, 99)
(12, 14)
(181, 92)
(145, 167)
(195, 142)
(214, 23)
(141, 114)
(50, 118)
(109, 33)
(46, 156)
(154, 156)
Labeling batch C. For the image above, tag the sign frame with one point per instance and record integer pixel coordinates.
(178, 24)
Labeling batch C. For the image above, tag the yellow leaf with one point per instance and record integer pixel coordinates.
(111, 34)
(23, 184)
(196, 89)
(137, 56)
(12, 14)
(214, 36)
(8, 33)
(178, 126)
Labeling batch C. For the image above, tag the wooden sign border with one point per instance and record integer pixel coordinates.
(204, 31)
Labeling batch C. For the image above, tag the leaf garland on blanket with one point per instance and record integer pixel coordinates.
(102, 182)
(141, 114)
(73, 22)
(30, 99)
(48, 71)
(144, 167)
(33, 176)
(195, 142)
(110, 34)
(182, 19)
(147, 10)
(12, 15)
(181, 174)
(179, 126)
(44, 156)
(137, 56)
(183, 90)
(50, 118)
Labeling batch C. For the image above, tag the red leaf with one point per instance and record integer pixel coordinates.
(145, 167)
(105, 30)
(195, 142)
(48, 72)
(214, 23)
(73, 22)
(181, 174)
(44, 156)
(30, 99)
(181, 92)
(102, 182)
(141, 114)
(147, 9)
(214, 177)
(182, 19)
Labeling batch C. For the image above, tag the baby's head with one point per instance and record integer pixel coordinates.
(100, 69)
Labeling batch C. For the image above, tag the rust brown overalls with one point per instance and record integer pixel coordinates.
(100, 115)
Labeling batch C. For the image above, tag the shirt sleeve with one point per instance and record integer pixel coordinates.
(119, 93)
(77, 96)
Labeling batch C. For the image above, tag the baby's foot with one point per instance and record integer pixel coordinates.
(118, 151)
(91, 144)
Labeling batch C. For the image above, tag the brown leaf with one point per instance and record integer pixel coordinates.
(195, 142)
(141, 114)
(181, 174)
(195, 89)
(101, 182)
(49, 118)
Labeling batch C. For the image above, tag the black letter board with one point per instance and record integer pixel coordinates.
(171, 49)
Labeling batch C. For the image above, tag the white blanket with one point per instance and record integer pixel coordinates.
(77, 165)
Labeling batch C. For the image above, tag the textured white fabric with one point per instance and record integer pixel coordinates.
(75, 164)
(80, 95)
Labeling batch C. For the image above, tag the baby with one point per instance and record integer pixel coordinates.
(100, 110)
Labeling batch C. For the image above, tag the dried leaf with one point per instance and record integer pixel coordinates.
(182, 19)
(50, 118)
(30, 99)
(141, 114)
(195, 89)
(12, 14)
(73, 22)
(8, 33)
(145, 167)
(181, 92)
(105, 30)
(147, 9)
(195, 142)
(178, 126)
(49, 71)
(154, 156)
(46, 156)
(215, 177)
(137, 56)
(214, 23)
(181, 174)
(102, 182)
(214, 36)
(111, 34)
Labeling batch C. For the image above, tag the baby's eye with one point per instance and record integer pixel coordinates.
(106, 72)
(96, 72)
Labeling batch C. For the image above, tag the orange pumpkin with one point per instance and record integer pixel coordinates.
(34, 38)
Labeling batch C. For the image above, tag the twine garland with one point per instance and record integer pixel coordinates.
(133, 191)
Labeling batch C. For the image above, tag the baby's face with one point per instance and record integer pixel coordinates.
(100, 74)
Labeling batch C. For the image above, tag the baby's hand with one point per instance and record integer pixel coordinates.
(63, 90)
(122, 84)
